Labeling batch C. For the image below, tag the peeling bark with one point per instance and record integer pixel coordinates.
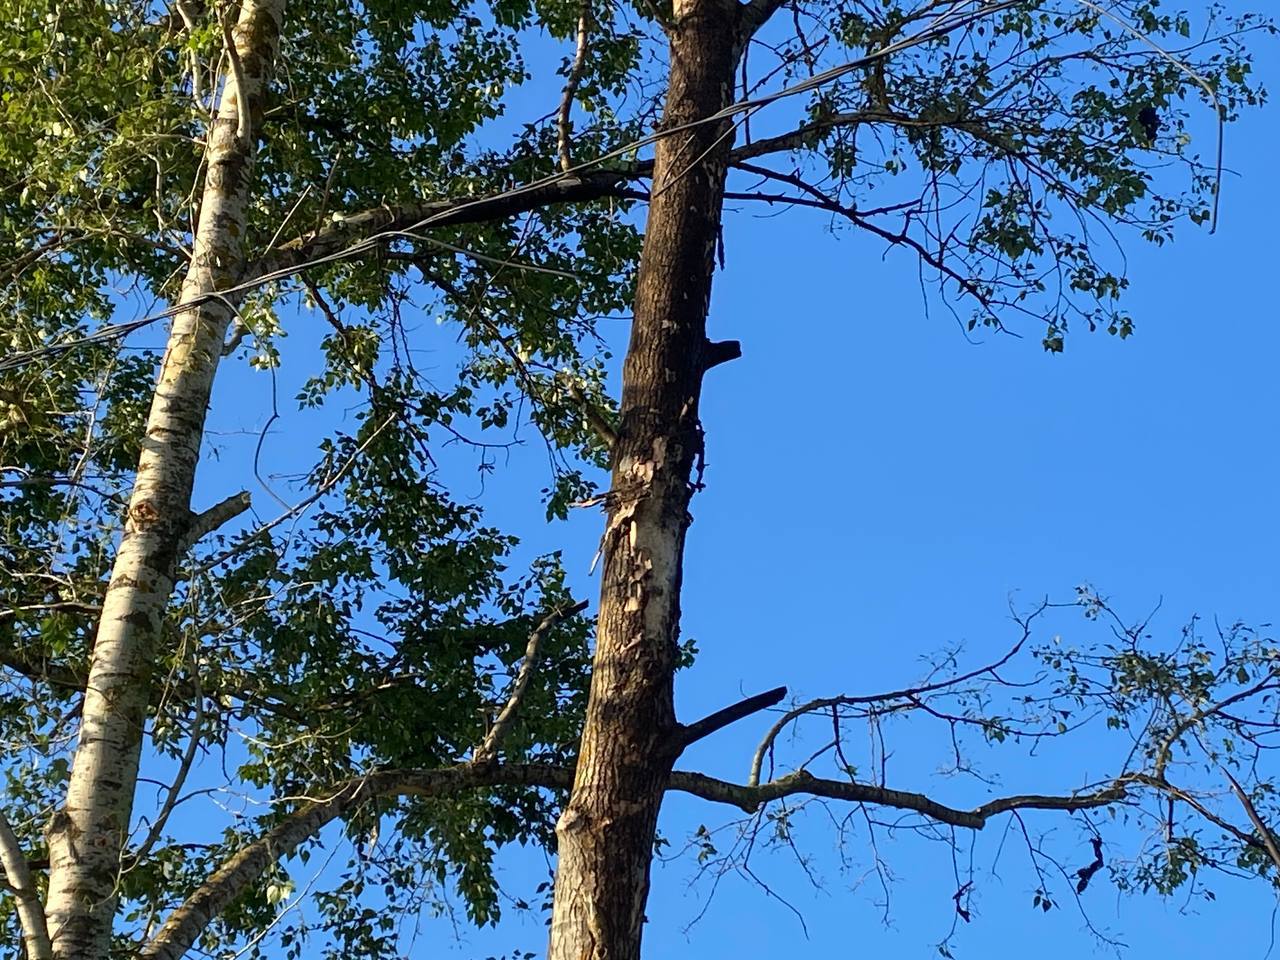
(87, 836)
(631, 738)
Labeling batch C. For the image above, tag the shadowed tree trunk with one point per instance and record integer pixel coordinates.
(606, 834)
(87, 836)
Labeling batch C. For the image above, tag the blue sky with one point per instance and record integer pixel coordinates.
(878, 487)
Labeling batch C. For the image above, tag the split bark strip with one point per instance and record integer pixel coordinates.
(17, 877)
(631, 737)
(87, 836)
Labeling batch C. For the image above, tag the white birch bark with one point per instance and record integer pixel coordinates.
(87, 836)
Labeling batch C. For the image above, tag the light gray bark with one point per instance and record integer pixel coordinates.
(15, 874)
(87, 836)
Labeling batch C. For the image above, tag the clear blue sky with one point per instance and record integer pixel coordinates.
(877, 489)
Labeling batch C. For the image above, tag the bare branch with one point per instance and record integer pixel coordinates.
(244, 125)
(1268, 838)
(806, 136)
(56, 606)
(708, 725)
(204, 523)
(801, 783)
(324, 487)
(179, 777)
(487, 752)
(248, 864)
(563, 121)
(35, 665)
(757, 761)
(1177, 793)
(359, 233)
(35, 929)
(189, 12)
(716, 352)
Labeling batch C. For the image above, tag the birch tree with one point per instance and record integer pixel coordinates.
(365, 661)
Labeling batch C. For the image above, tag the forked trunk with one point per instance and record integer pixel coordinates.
(87, 836)
(606, 833)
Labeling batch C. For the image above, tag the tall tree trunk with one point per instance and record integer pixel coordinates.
(606, 833)
(87, 836)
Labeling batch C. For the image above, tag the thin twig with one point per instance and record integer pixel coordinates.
(179, 778)
(757, 761)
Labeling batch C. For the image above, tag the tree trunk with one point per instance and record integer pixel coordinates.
(87, 836)
(606, 833)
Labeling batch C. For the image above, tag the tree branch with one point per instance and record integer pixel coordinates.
(487, 752)
(245, 866)
(753, 15)
(601, 427)
(988, 669)
(204, 523)
(361, 232)
(804, 137)
(249, 863)
(708, 725)
(354, 235)
(802, 783)
(716, 352)
(563, 120)
(244, 125)
(1165, 749)
(1268, 838)
(35, 929)
(36, 666)
(1177, 793)
(179, 777)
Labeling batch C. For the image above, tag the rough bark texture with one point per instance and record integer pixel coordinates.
(630, 741)
(87, 835)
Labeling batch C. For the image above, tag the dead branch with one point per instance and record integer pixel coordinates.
(710, 724)
(204, 523)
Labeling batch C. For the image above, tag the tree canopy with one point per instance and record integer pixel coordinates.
(372, 669)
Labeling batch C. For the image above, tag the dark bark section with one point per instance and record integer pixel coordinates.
(631, 736)
(360, 233)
